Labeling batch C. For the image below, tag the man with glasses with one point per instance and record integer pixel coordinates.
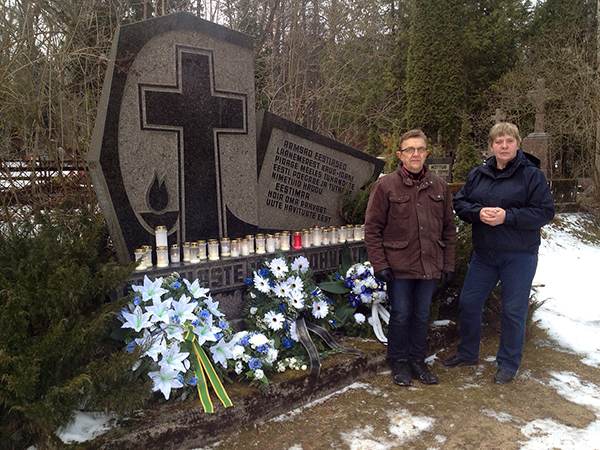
(410, 238)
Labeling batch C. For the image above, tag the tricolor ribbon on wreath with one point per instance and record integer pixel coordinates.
(204, 370)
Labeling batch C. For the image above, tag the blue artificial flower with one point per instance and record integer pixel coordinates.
(137, 300)
(193, 381)
(175, 319)
(176, 285)
(353, 300)
(287, 343)
(248, 280)
(338, 276)
(262, 349)
(195, 322)
(244, 341)
(334, 322)
(218, 336)
(130, 347)
(223, 324)
(255, 364)
(282, 307)
(263, 273)
(180, 378)
(204, 314)
(314, 293)
(272, 283)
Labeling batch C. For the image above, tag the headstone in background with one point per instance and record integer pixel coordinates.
(302, 175)
(174, 141)
(441, 167)
(539, 143)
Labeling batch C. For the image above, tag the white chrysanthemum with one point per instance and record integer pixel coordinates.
(253, 310)
(260, 283)
(237, 351)
(278, 267)
(239, 367)
(300, 264)
(274, 320)
(258, 374)
(359, 318)
(366, 298)
(282, 289)
(358, 287)
(256, 340)
(360, 270)
(320, 309)
(272, 354)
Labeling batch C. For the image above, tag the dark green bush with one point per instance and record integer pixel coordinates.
(56, 274)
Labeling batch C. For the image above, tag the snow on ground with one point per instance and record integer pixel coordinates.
(567, 270)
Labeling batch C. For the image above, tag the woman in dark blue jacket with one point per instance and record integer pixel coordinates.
(507, 200)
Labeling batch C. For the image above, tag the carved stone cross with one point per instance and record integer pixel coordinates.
(537, 97)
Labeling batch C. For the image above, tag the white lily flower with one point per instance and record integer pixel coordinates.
(174, 331)
(160, 310)
(174, 358)
(222, 351)
(184, 309)
(195, 289)
(137, 320)
(165, 380)
(213, 306)
(205, 332)
(150, 289)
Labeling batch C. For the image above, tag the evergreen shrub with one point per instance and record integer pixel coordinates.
(56, 356)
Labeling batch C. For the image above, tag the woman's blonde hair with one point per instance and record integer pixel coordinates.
(502, 128)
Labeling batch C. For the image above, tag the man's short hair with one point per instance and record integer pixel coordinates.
(503, 128)
(413, 134)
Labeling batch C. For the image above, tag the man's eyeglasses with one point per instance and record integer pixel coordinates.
(411, 150)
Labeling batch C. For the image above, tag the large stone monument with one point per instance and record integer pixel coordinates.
(175, 143)
(539, 143)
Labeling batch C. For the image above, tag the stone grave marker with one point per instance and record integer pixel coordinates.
(302, 174)
(175, 137)
(539, 143)
(441, 167)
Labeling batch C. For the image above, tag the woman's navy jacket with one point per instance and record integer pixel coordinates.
(521, 189)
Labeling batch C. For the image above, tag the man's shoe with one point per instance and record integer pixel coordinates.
(420, 371)
(401, 373)
(504, 376)
(456, 361)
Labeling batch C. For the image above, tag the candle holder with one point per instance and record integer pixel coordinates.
(317, 236)
(297, 240)
(202, 250)
(277, 237)
(235, 248)
(160, 234)
(326, 236)
(194, 254)
(175, 253)
(162, 256)
(270, 243)
(245, 247)
(285, 241)
(185, 250)
(213, 249)
(334, 235)
(342, 234)
(250, 238)
(225, 247)
(260, 244)
(362, 232)
(349, 233)
(139, 256)
(147, 255)
(305, 238)
(357, 233)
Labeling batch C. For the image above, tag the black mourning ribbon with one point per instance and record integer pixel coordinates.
(302, 329)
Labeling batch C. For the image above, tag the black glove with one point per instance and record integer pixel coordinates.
(386, 275)
(446, 276)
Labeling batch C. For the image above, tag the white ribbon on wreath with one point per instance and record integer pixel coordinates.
(378, 313)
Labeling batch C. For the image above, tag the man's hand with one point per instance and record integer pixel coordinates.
(386, 275)
(446, 276)
(492, 216)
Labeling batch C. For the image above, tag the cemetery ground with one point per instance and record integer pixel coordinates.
(554, 403)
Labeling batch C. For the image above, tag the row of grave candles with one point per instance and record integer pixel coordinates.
(213, 249)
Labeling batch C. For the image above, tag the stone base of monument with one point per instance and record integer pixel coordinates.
(178, 425)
